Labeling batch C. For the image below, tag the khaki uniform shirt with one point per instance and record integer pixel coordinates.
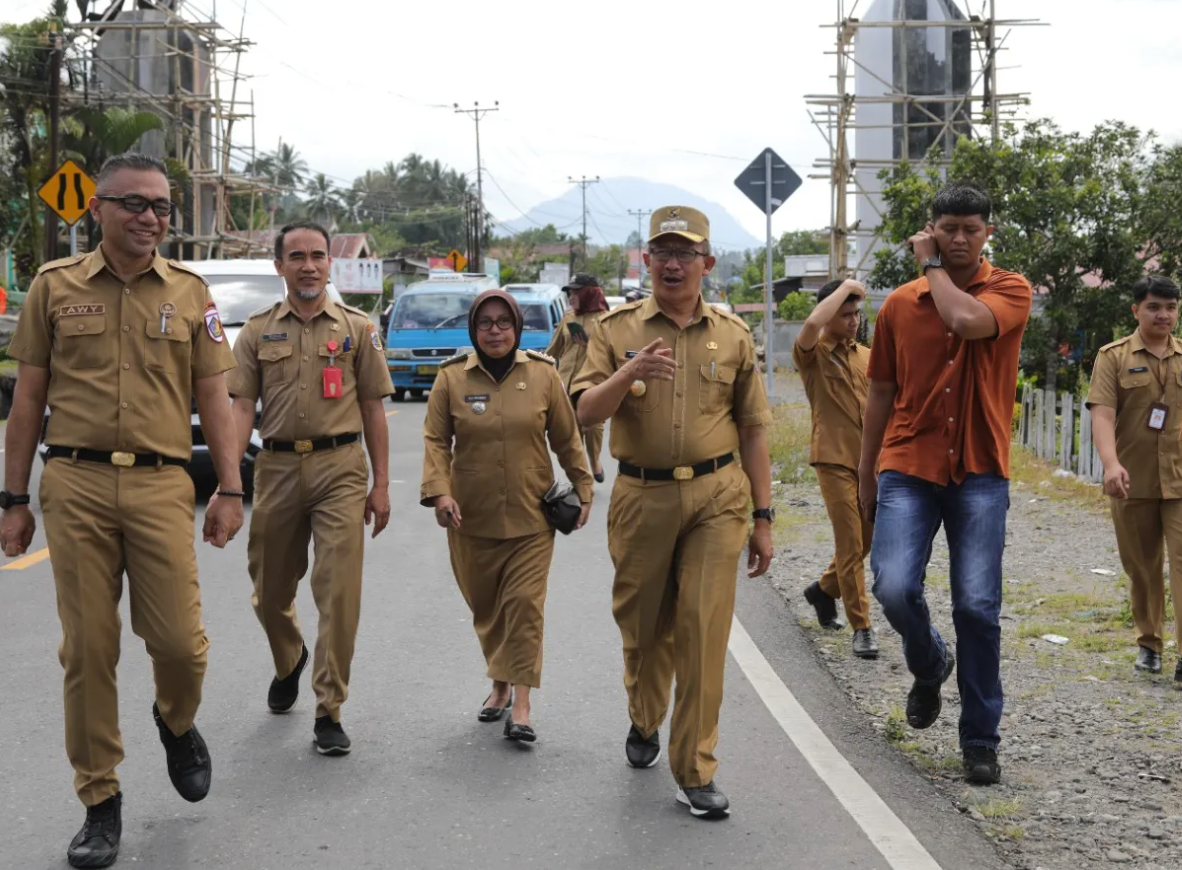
(834, 375)
(281, 358)
(568, 350)
(695, 417)
(1130, 379)
(121, 375)
(485, 444)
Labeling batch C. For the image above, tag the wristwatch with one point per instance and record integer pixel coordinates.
(932, 263)
(7, 499)
(768, 514)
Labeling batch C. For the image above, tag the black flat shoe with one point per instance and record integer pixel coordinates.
(825, 606)
(521, 733)
(494, 714)
(599, 477)
(282, 695)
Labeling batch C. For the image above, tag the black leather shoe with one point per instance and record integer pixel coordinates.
(97, 844)
(1148, 661)
(331, 738)
(923, 701)
(189, 765)
(599, 477)
(1178, 671)
(643, 752)
(980, 765)
(865, 643)
(825, 606)
(494, 714)
(705, 801)
(282, 695)
(521, 733)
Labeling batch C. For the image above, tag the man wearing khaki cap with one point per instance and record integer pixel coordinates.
(680, 381)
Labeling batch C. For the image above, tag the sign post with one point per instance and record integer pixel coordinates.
(68, 192)
(768, 182)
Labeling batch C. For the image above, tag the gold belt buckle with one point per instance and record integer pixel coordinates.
(683, 472)
(123, 460)
(303, 447)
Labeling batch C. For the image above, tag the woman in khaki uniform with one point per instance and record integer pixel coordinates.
(569, 347)
(485, 471)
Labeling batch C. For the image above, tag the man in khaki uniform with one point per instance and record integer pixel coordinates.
(679, 380)
(117, 342)
(569, 347)
(1136, 404)
(833, 367)
(321, 374)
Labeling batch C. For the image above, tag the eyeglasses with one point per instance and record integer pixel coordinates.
(683, 255)
(503, 323)
(137, 204)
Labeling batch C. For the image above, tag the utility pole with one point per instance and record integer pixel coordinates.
(476, 113)
(54, 40)
(640, 215)
(583, 184)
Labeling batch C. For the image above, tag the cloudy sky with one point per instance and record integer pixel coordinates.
(680, 93)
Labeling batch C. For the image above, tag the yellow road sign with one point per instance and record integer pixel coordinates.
(68, 191)
(458, 261)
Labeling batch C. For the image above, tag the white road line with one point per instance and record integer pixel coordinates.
(884, 829)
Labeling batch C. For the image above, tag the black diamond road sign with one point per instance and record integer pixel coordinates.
(753, 181)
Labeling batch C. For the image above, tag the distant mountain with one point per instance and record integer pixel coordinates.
(608, 221)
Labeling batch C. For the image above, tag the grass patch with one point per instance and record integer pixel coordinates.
(896, 725)
(1037, 628)
(1009, 832)
(8, 366)
(1000, 808)
(788, 441)
(1032, 476)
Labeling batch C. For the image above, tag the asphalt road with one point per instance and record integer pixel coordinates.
(427, 786)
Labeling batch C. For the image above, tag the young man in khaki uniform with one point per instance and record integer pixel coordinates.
(569, 347)
(321, 374)
(1136, 404)
(833, 367)
(679, 380)
(117, 342)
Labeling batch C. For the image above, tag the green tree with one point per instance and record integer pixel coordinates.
(796, 306)
(1160, 223)
(1066, 216)
(322, 202)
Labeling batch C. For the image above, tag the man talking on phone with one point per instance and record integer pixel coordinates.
(569, 347)
(679, 380)
(936, 451)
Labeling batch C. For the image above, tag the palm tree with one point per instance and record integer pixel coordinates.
(322, 202)
(350, 203)
(290, 169)
(93, 134)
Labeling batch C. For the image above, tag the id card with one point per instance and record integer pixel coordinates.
(1157, 416)
(332, 382)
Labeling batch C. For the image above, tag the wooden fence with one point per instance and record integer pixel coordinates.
(1059, 428)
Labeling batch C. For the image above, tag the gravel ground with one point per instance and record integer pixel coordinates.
(1091, 753)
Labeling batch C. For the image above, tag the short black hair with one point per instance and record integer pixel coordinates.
(1154, 285)
(128, 160)
(962, 200)
(299, 225)
(829, 289)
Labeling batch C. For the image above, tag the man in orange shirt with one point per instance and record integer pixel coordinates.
(936, 450)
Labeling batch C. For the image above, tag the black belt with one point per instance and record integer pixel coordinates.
(681, 472)
(113, 457)
(311, 444)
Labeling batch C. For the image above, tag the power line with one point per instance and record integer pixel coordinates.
(584, 183)
(476, 113)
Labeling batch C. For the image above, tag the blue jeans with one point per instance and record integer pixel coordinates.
(910, 511)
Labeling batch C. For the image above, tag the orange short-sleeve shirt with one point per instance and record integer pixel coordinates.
(955, 401)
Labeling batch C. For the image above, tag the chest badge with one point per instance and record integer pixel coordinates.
(167, 312)
(521, 385)
(638, 388)
(712, 345)
(479, 407)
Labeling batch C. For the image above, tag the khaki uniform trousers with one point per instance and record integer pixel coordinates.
(675, 546)
(315, 497)
(1142, 524)
(503, 582)
(102, 521)
(593, 439)
(845, 578)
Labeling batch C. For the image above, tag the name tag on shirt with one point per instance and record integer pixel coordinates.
(275, 336)
(1157, 416)
(1138, 370)
(483, 398)
(631, 353)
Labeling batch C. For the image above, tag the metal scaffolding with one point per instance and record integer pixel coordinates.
(979, 111)
(177, 61)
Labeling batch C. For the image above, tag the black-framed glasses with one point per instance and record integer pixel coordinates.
(503, 323)
(684, 256)
(137, 204)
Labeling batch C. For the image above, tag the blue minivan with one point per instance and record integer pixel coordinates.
(429, 323)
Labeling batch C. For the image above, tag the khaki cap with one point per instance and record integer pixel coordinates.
(679, 220)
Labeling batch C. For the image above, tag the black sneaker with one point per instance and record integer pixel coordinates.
(705, 801)
(980, 766)
(189, 765)
(865, 643)
(97, 844)
(825, 606)
(1148, 660)
(923, 701)
(331, 738)
(282, 695)
(642, 752)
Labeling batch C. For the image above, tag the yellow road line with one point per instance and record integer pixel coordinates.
(391, 413)
(27, 560)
